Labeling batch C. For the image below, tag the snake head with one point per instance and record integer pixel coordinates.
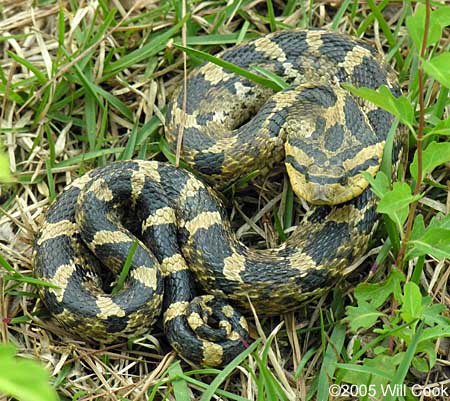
(330, 143)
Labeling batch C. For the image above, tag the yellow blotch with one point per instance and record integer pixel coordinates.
(243, 323)
(228, 311)
(106, 237)
(146, 276)
(61, 279)
(354, 58)
(175, 309)
(81, 182)
(137, 183)
(212, 354)
(195, 321)
(233, 265)
(101, 190)
(234, 336)
(270, 49)
(54, 230)
(298, 154)
(190, 188)
(165, 215)
(365, 154)
(302, 262)
(180, 117)
(150, 169)
(172, 264)
(108, 308)
(203, 221)
(226, 325)
(314, 39)
(222, 145)
(215, 74)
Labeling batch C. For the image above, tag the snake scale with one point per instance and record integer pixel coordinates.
(177, 225)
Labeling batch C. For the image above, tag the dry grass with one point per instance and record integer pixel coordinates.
(57, 125)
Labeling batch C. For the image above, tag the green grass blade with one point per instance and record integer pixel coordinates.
(271, 16)
(219, 392)
(282, 84)
(118, 104)
(5, 264)
(329, 361)
(180, 388)
(38, 74)
(125, 269)
(29, 280)
(405, 364)
(386, 29)
(338, 17)
(230, 67)
(309, 354)
(155, 45)
(222, 376)
(363, 369)
(88, 156)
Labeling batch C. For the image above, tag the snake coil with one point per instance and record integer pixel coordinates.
(176, 224)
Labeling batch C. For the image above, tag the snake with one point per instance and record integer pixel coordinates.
(169, 225)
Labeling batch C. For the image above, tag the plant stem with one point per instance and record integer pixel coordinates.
(412, 210)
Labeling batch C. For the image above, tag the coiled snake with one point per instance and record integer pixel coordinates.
(231, 127)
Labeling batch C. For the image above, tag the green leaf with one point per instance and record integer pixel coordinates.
(376, 372)
(440, 221)
(432, 315)
(432, 240)
(365, 370)
(416, 23)
(412, 308)
(23, 379)
(305, 358)
(5, 264)
(396, 203)
(215, 39)
(435, 242)
(433, 333)
(380, 183)
(442, 128)
(418, 228)
(5, 174)
(365, 315)
(420, 364)
(435, 154)
(429, 348)
(442, 15)
(378, 293)
(199, 384)
(400, 107)
(84, 157)
(30, 280)
(438, 68)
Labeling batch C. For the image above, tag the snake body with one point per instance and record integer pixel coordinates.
(231, 126)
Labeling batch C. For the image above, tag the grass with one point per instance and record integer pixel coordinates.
(81, 86)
